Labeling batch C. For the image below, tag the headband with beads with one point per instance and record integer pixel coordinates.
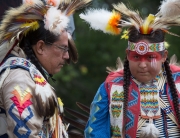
(122, 17)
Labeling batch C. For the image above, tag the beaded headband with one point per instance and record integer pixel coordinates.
(143, 47)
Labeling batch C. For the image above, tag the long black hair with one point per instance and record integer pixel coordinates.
(154, 37)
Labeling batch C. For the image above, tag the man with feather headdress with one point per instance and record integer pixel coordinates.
(142, 97)
(34, 45)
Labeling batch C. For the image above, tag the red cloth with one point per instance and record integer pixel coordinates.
(134, 110)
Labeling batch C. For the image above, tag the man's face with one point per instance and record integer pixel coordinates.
(54, 57)
(145, 67)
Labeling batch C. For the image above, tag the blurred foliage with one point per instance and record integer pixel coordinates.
(80, 81)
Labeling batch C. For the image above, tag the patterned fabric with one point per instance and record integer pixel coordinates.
(45, 131)
(149, 101)
(107, 121)
(164, 124)
(116, 110)
(21, 101)
(99, 121)
(16, 98)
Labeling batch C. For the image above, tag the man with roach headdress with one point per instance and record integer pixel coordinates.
(34, 45)
(142, 97)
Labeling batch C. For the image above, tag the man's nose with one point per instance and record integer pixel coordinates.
(66, 55)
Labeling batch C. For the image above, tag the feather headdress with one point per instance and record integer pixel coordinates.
(168, 15)
(123, 17)
(17, 22)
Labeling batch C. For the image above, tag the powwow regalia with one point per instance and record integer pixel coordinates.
(124, 106)
(29, 106)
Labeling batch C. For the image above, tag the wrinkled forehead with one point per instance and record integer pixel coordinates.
(143, 47)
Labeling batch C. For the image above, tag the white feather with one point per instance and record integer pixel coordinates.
(150, 129)
(173, 60)
(52, 122)
(97, 18)
(69, 36)
(169, 8)
(55, 21)
(119, 66)
(44, 91)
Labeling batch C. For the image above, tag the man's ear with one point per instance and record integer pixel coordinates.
(39, 47)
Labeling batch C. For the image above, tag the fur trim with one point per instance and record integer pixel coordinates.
(150, 131)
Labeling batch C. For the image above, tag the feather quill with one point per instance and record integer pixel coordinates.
(74, 123)
(75, 5)
(166, 31)
(15, 17)
(83, 107)
(119, 66)
(145, 28)
(64, 4)
(12, 24)
(164, 23)
(47, 99)
(132, 16)
(30, 26)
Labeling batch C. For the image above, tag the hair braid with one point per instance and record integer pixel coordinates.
(126, 84)
(30, 54)
(173, 90)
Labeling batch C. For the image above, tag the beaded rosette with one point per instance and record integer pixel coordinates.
(142, 47)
